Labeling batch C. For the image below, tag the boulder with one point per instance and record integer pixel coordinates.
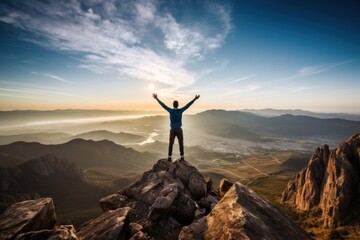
(187, 178)
(62, 232)
(171, 189)
(183, 209)
(330, 182)
(31, 215)
(112, 224)
(112, 202)
(243, 214)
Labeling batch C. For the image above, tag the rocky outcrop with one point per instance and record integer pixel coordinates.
(170, 198)
(185, 176)
(31, 215)
(170, 189)
(330, 182)
(113, 201)
(110, 225)
(61, 232)
(242, 214)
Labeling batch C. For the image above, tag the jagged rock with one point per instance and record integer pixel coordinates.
(243, 214)
(134, 228)
(171, 189)
(187, 177)
(27, 216)
(330, 181)
(61, 232)
(163, 202)
(112, 202)
(139, 236)
(184, 209)
(224, 186)
(112, 224)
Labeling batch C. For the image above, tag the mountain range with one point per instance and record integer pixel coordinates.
(236, 124)
(270, 112)
(85, 153)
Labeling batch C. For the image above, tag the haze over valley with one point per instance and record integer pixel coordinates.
(112, 153)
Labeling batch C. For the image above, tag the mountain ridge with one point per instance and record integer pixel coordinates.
(85, 153)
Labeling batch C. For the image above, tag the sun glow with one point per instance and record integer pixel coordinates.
(151, 87)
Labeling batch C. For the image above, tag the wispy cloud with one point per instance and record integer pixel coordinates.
(54, 77)
(123, 36)
(311, 70)
(247, 88)
(31, 91)
(15, 96)
(240, 79)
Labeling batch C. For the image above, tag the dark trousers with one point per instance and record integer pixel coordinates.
(176, 132)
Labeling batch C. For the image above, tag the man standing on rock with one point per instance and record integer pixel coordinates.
(175, 124)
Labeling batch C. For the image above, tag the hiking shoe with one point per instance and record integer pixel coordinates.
(182, 158)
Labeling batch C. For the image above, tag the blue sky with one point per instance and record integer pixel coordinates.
(235, 54)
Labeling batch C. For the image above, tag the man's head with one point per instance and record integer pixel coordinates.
(175, 104)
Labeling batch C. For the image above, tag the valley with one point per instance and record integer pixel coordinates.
(114, 153)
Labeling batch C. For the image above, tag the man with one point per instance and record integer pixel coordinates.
(175, 124)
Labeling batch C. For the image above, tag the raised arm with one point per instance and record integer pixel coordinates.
(190, 103)
(161, 103)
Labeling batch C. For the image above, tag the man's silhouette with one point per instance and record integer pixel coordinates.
(175, 124)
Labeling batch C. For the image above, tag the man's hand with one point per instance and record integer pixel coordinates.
(197, 97)
(155, 96)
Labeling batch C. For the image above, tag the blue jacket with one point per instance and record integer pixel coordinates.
(175, 113)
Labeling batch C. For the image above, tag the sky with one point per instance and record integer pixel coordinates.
(114, 54)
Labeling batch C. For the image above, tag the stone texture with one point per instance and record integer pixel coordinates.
(171, 189)
(139, 236)
(134, 228)
(187, 177)
(330, 181)
(242, 214)
(112, 224)
(112, 202)
(31, 215)
(62, 232)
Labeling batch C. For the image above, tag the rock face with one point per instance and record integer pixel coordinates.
(110, 225)
(27, 216)
(242, 214)
(170, 189)
(59, 232)
(185, 176)
(170, 199)
(330, 182)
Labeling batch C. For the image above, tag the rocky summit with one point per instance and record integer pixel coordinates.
(171, 201)
(330, 182)
(243, 214)
(31, 215)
